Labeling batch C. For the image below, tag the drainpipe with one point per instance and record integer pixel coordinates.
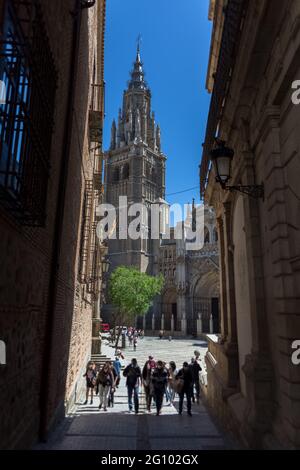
(58, 224)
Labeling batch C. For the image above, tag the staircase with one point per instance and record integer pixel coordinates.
(99, 359)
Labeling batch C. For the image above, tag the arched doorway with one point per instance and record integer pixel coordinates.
(169, 307)
(205, 300)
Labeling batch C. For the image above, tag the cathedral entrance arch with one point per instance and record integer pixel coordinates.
(169, 307)
(205, 300)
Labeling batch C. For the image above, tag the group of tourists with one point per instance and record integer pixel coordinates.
(105, 382)
(157, 378)
(133, 334)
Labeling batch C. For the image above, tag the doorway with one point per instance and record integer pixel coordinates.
(215, 314)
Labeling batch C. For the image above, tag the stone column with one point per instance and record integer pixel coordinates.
(172, 324)
(153, 323)
(231, 346)
(211, 324)
(144, 322)
(258, 367)
(183, 324)
(162, 322)
(199, 324)
(229, 270)
(223, 293)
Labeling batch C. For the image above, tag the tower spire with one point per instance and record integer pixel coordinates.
(138, 45)
(137, 80)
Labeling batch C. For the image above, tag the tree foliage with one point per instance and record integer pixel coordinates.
(132, 292)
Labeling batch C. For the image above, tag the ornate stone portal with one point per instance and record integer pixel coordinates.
(191, 282)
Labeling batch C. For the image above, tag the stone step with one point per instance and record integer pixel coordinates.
(99, 356)
(100, 359)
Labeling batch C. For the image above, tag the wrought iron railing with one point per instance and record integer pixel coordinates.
(87, 218)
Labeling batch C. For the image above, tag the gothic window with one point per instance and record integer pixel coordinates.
(148, 170)
(215, 235)
(116, 175)
(206, 235)
(126, 171)
(153, 174)
(28, 77)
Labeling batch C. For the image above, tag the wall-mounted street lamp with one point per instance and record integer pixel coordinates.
(105, 265)
(221, 157)
(87, 3)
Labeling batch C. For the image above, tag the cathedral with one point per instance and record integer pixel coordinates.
(135, 168)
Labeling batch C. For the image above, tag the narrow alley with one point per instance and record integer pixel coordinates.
(89, 428)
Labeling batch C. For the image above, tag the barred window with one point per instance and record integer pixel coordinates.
(26, 113)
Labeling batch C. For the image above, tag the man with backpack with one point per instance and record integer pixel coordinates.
(133, 374)
(159, 381)
(185, 375)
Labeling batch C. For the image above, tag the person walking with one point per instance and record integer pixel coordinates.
(105, 382)
(117, 366)
(196, 369)
(171, 381)
(133, 375)
(90, 375)
(185, 374)
(148, 368)
(135, 339)
(111, 395)
(159, 380)
(119, 354)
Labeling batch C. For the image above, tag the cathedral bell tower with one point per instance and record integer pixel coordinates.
(135, 167)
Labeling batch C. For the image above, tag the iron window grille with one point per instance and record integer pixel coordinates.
(26, 115)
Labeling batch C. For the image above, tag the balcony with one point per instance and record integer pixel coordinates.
(95, 126)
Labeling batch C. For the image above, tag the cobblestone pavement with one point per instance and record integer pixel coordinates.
(117, 429)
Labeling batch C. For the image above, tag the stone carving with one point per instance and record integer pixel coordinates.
(138, 128)
(182, 288)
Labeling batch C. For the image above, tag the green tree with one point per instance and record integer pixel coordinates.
(132, 292)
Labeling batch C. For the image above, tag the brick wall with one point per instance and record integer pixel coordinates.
(26, 254)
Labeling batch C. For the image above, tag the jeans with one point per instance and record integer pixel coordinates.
(188, 392)
(104, 391)
(170, 393)
(135, 390)
(159, 395)
(148, 396)
(197, 387)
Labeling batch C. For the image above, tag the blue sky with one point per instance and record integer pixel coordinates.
(175, 49)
